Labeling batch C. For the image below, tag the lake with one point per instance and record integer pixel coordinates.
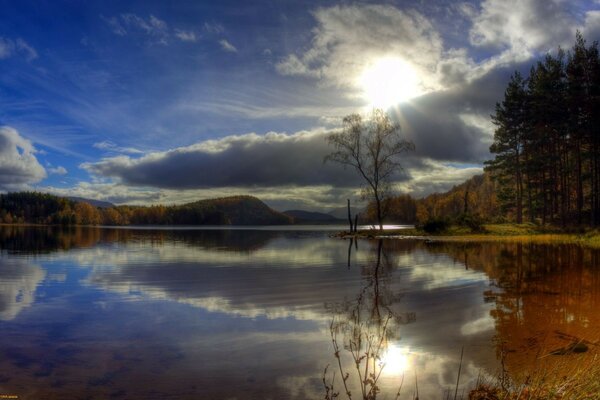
(100, 313)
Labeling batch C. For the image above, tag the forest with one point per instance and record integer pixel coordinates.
(473, 200)
(43, 208)
(546, 144)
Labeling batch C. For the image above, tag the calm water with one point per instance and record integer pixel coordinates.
(256, 314)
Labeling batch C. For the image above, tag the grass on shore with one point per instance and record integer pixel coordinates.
(513, 233)
(560, 382)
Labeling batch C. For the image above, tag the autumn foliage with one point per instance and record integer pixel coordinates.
(42, 208)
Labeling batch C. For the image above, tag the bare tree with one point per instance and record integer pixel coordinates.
(372, 146)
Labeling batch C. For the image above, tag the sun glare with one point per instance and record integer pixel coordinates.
(396, 360)
(389, 81)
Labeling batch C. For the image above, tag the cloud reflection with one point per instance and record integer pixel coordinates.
(18, 283)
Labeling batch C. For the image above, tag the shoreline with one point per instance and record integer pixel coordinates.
(508, 233)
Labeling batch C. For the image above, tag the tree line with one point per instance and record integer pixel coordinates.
(43, 208)
(474, 200)
(546, 144)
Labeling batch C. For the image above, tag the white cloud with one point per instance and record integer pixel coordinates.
(318, 198)
(434, 176)
(112, 147)
(18, 164)
(373, 31)
(115, 25)
(483, 324)
(213, 27)
(523, 26)
(26, 49)
(9, 48)
(58, 170)
(591, 27)
(18, 283)
(152, 27)
(185, 36)
(225, 45)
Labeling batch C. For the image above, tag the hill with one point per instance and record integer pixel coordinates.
(240, 210)
(95, 203)
(476, 197)
(304, 217)
(342, 212)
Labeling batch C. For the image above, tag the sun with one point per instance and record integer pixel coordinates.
(389, 81)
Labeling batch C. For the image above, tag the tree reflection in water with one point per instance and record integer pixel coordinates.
(546, 305)
(361, 331)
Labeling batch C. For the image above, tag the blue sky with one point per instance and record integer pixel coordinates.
(154, 101)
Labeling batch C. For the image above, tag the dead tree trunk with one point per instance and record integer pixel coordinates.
(350, 217)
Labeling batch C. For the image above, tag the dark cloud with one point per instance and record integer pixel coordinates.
(438, 123)
(236, 161)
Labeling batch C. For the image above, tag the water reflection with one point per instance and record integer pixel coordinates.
(361, 330)
(248, 314)
(546, 299)
(47, 239)
(18, 283)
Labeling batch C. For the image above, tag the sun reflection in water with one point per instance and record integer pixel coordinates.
(396, 360)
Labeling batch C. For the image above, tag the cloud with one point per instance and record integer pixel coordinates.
(453, 124)
(285, 170)
(115, 25)
(225, 45)
(113, 193)
(372, 31)
(281, 198)
(438, 177)
(28, 51)
(152, 27)
(112, 147)
(185, 36)
(213, 27)
(591, 27)
(9, 48)
(523, 25)
(18, 164)
(58, 170)
(273, 159)
(18, 283)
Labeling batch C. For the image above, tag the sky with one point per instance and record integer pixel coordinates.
(146, 102)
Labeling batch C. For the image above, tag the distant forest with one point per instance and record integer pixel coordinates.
(474, 199)
(42, 208)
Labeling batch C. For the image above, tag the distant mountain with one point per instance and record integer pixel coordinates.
(342, 212)
(95, 203)
(301, 216)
